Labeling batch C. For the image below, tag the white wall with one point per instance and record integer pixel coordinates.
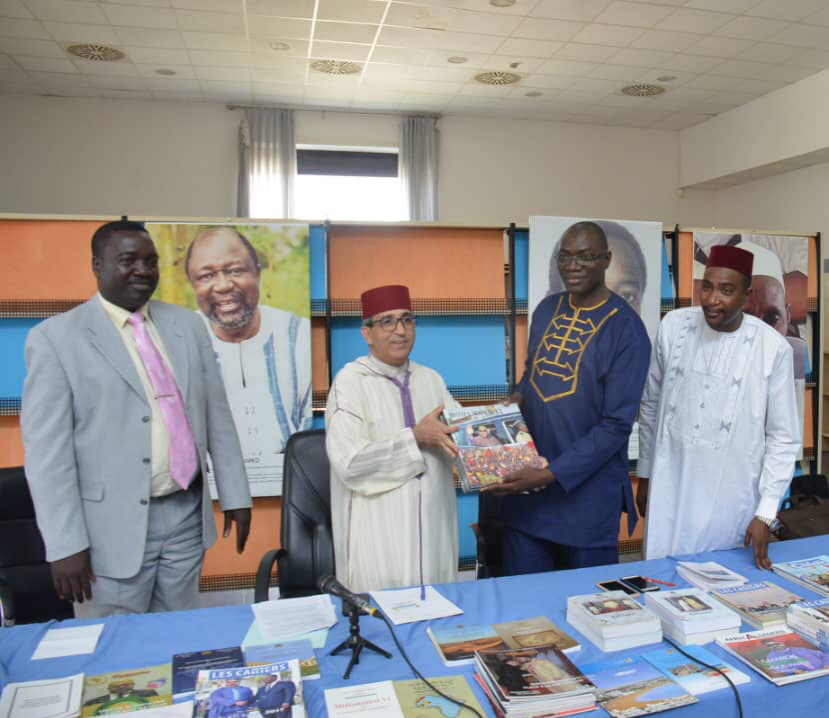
(91, 156)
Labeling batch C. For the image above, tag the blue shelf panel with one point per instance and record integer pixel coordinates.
(13, 334)
(522, 251)
(463, 350)
(319, 271)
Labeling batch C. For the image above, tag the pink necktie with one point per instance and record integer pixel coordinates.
(183, 458)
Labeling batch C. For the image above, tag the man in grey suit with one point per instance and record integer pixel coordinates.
(122, 400)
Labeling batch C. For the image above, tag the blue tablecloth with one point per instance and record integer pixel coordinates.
(142, 640)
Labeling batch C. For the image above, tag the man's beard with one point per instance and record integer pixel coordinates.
(236, 319)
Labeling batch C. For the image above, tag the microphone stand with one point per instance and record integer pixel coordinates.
(355, 641)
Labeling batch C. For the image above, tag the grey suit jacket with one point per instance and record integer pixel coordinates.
(86, 432)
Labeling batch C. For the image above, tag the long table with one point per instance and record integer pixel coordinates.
(141, 640)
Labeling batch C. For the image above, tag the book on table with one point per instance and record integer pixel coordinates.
(689, 615)
(780, 655)
(613, 621)
(762, 604)
(633, 687)
(125, 691)
(186, 667)
(709, 575)
(533, 681)
(810, 619)
(493, 441)
(456, 643)
(811, 573)
(691, 675)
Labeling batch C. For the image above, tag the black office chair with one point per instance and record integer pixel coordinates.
(489, 536)
(810, 485)
(307, 552)
(27, 594)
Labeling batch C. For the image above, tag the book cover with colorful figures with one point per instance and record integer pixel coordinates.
(125, 691)
(811, 573)
(493, 441)
(761, 604)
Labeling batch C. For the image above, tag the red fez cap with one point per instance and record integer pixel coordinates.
(382, 299)
(730, 257)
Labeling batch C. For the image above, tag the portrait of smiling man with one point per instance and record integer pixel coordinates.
(393, 507)
(263, 351)
(718, 435)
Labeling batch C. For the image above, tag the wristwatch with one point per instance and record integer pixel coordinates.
(773, 523)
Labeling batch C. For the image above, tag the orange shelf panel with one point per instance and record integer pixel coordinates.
(11, 443)
(221, 558)
(434, 262)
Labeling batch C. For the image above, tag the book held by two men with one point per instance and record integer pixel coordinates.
(493, 441)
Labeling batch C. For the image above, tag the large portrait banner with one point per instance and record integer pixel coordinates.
(251, 286)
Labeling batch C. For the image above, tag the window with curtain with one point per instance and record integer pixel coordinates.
(348, 184)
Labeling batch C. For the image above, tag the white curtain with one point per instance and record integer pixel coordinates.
(267, 164)
(418, 166)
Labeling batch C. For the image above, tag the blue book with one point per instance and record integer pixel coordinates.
(302, 650)
(692, 676)
(186, 667)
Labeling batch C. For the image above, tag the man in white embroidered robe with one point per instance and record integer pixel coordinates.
(718, 424)
(393, 506)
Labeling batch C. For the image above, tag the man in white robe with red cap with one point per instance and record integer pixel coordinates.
(718, 424)
(393, 505)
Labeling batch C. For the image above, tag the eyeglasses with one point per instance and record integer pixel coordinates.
(230, 274)
(389, 323)
(582, 259)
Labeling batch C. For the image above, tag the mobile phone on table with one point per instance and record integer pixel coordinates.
(638, 583)
(617, 586)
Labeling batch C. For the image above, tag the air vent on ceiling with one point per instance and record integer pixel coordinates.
(95, 52)
(643, 90)
(497, 77)
(337, 67)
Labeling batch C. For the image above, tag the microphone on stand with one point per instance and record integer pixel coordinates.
(329, 584)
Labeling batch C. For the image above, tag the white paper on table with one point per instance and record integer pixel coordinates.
(405, 605)
(49, 698)
(72, 641)
(284, 617)
(254, 637)
(377, 700)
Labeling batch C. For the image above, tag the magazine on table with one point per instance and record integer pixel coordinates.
(186, 667)
(709, 575)
(810, 619)
(762, 604)
(125, 691)
(692, 676)
(493, 441)
(811, 573)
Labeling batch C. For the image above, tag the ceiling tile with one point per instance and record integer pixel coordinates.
(442, 74)
(509, 63)
(339, 51)
(585, 53)
(441, 88)
(434, 40)
(818, 59)
(569, 68)
(596, 84)
(217, 58)
(688, 20)
(281, 8)
(32, 48)
(47, 64)
(598, 34)
(768, 52)
(115, 82)
(59, 84)
(582, 10)
(734, 6)
(275, 28)
(369, 11)
(789, 73)
(14, 27)
(432, 18)
(819, 18)
(6, 62)
(158, 56)
(223, 74)
(267, 57)
(718, 47)
(811, 36)
(538, 29)
(624, 73)
(741, 68)
(633, 14)
(665, 40)
(690, 63)
(140, 16)
(14, 75)
(290, 73)
(714, 82)
(655, 75)
(141, 37)
(750, 28)
(172, 83)
(232, 6)
(345, 32)
(183, 72)
(119, 69)
(64, 11)
(13, 8)
(531, 48)
(552, 82)
(643, 58)
(401, 55)
(786, 9)
(282, 89)
(210, 21)
(441, 58)
(214, 41)
(74, 32)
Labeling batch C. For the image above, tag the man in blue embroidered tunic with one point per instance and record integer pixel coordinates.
(587, 360)
(263, 352)
(393, 507)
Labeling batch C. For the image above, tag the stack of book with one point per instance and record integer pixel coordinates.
(709, 575)
(810, 619)
(811, 573)
(613, 621)
(688, 615)
(456, 643)
(762, 604)
(528, 682)
(779, 655)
